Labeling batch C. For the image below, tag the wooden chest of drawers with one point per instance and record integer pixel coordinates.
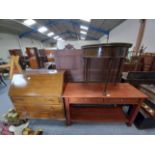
(39, 96)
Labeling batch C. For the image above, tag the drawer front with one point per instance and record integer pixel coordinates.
(120, 101)
(42, 115)
(37, 100)
(104, 100)
(55, 111)
(86, 100)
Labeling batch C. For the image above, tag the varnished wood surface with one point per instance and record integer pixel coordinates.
(40, 97)
(92, 93)
(98, 114)
(95, 90)
(39, 85)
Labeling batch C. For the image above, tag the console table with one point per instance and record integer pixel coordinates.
(87, 102)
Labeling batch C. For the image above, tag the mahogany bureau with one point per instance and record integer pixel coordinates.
(87, 102)
(38, 95)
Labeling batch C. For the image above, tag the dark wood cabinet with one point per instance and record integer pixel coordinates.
(104, 61)
(72, 62)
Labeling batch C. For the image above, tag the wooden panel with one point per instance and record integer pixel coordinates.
(39, 85)
(37, 100)
(47, 115)
(98, 114)
(121, 101)
(72, 62)
(32, 111)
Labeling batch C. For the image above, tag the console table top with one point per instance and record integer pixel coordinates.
(95, 90)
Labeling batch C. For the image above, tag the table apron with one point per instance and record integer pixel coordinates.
(77, 100)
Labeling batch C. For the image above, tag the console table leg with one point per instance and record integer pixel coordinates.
(67, 107)
(133, 113)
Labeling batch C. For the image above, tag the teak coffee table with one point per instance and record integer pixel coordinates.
(80, 98)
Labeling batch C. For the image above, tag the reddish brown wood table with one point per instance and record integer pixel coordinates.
(92, 100)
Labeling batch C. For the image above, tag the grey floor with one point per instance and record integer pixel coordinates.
(51, 127)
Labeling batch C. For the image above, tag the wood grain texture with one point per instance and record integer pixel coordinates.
(40, 97)
(39, 85)
(95, 90)
(86, 94)
(72, 62)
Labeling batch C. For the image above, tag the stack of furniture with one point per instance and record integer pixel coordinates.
(47, 58)
(23, 60)
(143, 62)
(89, 100)
(39, 95)
(92, 89)
(33, 56)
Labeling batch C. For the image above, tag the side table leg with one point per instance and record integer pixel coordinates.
(67, 109)
(133, 113)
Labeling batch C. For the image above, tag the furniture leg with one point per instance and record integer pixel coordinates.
(133, 113)
(67, 108)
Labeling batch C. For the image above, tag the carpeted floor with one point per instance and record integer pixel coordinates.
(52, 127)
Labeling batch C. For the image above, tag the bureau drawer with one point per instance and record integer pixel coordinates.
(37, 100)
(86, 100)
(55, 111)
(37, 107)
(42, 115)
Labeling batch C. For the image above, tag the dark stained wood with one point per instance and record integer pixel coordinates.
(104, 62)
(92, 93)
(40, 97)
(32, 53)
(133, 112)
(140, 77)
(72, 62)
(67, 110)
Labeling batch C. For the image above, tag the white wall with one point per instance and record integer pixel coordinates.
(125, 32)
(10, 41)
(149, 36)
(128, 30)
(77, 44)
